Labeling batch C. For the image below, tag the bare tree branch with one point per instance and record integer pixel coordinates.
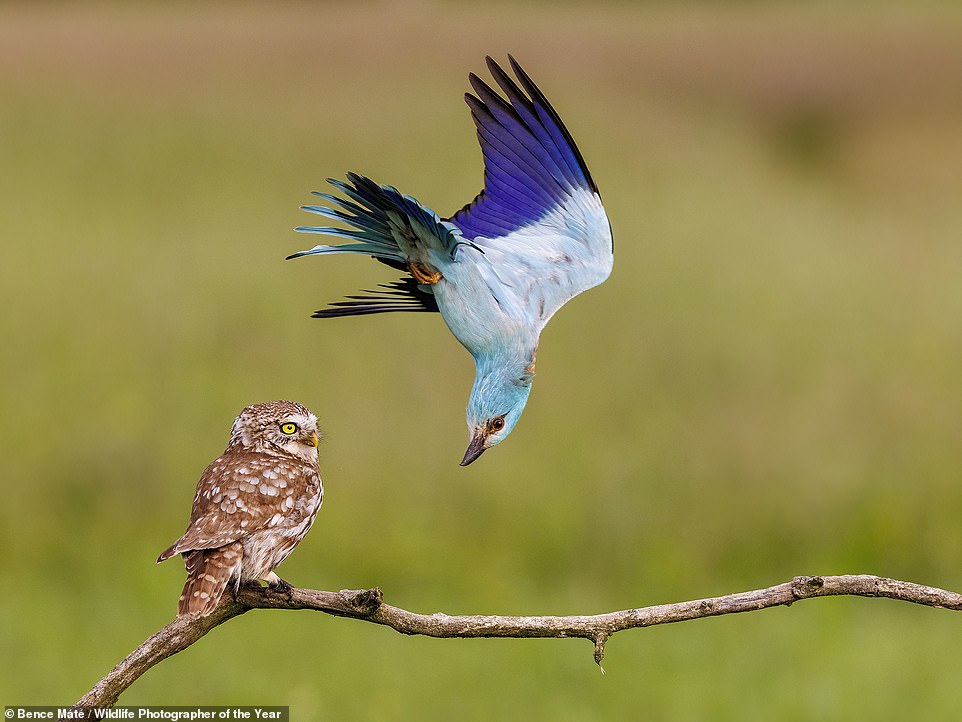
(367, 605)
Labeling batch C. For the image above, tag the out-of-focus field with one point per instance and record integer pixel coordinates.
(768, 385)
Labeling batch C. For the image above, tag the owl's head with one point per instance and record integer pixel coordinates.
(277, 427)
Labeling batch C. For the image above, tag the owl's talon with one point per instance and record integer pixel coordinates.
(279, 586)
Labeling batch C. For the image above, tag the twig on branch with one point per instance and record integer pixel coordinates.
(367, 605)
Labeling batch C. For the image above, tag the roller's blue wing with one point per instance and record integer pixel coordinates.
(540, 210)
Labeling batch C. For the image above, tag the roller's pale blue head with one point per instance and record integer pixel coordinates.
(497, 400)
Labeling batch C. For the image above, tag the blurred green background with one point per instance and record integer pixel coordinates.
(768, 385)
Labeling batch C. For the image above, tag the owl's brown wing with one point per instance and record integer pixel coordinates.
(238, 494)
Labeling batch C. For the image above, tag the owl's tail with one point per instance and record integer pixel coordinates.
(209, 571)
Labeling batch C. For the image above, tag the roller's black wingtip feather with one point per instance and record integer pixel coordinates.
(401, 295)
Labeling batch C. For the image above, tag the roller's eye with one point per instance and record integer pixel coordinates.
(497, 423)
(289, 428)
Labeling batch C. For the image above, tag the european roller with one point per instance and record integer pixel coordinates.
(499, 268)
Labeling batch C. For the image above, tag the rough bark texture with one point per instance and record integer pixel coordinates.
(368, 605)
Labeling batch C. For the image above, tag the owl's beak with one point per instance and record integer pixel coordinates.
(311, 440)
(475, 448)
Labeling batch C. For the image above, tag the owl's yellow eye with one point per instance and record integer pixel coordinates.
(289, 428)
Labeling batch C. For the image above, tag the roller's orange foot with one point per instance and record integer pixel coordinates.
(424, 275)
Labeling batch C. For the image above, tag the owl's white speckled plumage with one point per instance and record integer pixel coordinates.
(253, 504)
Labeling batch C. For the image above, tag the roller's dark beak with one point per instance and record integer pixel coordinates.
(475, 448)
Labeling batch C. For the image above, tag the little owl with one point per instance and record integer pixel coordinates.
(253, 505)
